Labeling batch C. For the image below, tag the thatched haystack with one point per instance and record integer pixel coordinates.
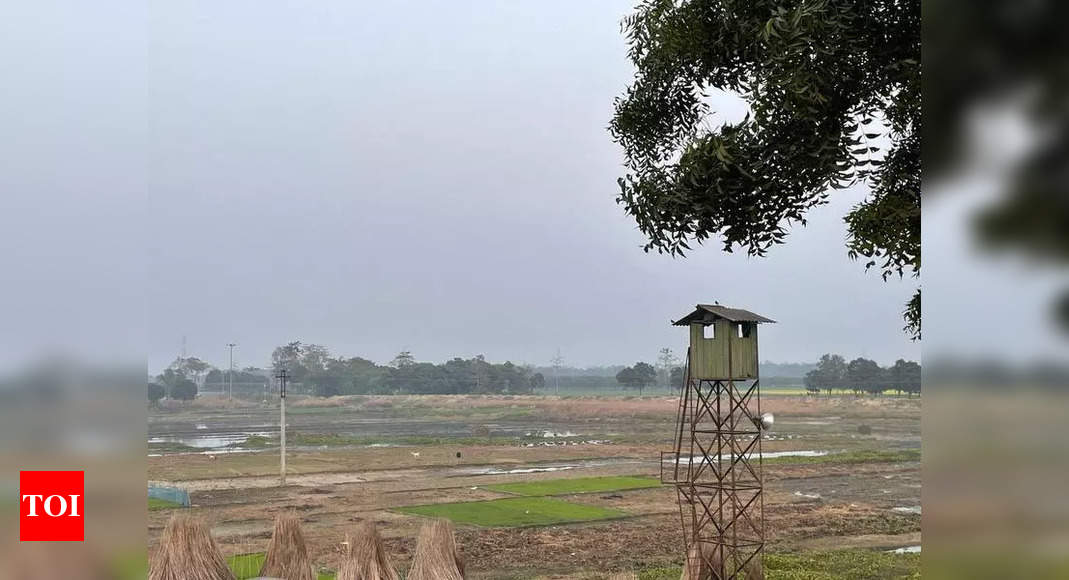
(188, 552)
(703, 563)
(706, 565)
(367, 558)
(437, 557)
(754, 569)
(287, 554)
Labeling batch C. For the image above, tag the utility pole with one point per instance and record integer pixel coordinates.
(557, 360)
(230, 375)
(282, 376)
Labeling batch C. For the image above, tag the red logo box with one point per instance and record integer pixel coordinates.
(51, 506)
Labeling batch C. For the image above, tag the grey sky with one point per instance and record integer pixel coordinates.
(431, 176)
(436, 176)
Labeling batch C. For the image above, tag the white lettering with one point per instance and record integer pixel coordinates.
(62, 502)
(74, 505)
(33, 504)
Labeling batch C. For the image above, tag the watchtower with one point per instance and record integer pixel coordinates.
(716, 463)
(723, 342)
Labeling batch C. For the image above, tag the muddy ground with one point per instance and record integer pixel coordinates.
(809, 506)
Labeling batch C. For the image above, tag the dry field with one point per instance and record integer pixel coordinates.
(355, 459)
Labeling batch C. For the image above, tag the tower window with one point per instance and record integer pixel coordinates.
(709, 331)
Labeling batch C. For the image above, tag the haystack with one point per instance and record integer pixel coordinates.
(287, 554)
(706, 566)
(436, 555)
(367, 558)
(188, 552)
(754, 570)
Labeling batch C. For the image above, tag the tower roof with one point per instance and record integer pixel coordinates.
(709, 313)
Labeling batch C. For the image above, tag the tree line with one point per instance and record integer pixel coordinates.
(862, 375)
(319, 373)
(314, 370)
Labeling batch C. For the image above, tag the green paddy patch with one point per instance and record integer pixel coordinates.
(514, 512)
(247, 566)
(855, 564)
(155, 503)
(575, 485)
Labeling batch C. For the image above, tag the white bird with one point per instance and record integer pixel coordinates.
(414, 453)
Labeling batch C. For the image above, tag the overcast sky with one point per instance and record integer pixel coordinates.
(437, 177)
(426, 176)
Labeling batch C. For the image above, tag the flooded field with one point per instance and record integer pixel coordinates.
(840, 472)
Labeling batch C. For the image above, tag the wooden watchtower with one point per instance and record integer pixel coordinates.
(716, 463)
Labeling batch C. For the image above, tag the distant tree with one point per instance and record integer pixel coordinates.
(184, 390)
(830, 374)
(638, 377)
(666, 360)
(905, 376)
(646, 375)
(289, 357)
(864, 375)
(190, 367)
(169, 377)
(326, 384)
(538, 382)
(155, 393)
(813, 382)
(403, 359)
(314, 358)
(677, 378)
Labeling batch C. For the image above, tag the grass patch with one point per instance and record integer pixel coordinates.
(858, 456)
(256, 442)
(247, 566)
(514, 512)
(577, 485)
(155, 503)
(830, 565)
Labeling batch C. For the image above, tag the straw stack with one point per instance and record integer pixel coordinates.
(436, 555)
(367, 558)
(188, 552)
(287, 554)
(707, 566)
(754, 569)
(703, 563)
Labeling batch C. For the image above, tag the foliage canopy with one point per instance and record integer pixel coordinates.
(834, 95)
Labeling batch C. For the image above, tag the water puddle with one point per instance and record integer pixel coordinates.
(767, 455)
(913, 509)
(566, 443)
(552, 434)
(537, 468)
(208, 444)
(906, 550)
